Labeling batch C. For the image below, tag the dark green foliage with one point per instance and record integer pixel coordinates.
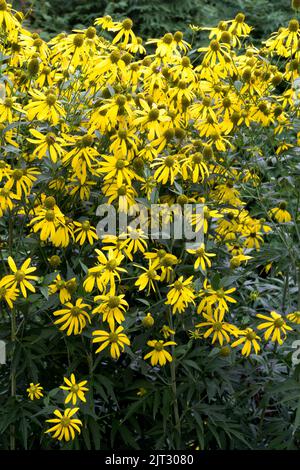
(155, 17)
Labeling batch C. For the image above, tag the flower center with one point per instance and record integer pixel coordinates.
(127, 24)
(49, 202)
(113, 301)
(120, 163)
(152, 274)
(279, 322)
(86, 226)
(20, 275)
(17, 174)
(153, 114)
(293, 26)
(51, 99)
(122, 191)
(113, 337)
(65, 422)
(169, 161)
(251, 335)
(75, 311)
(3, 5)
(178, 285)
(50, 216)
(50, 138)
(111, 264)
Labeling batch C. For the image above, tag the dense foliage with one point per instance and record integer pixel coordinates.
(157, 17)
(134, 342)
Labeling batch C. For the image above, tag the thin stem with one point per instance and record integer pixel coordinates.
(174, 385)
(13, 382)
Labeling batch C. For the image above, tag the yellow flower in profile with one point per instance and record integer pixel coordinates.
(280, 214)
(64, 288)
(124, 32)
(250, 340)
(76, 390)
(35, 391)
(65, 426)
(7, 106)
(159, 355)
(73, 317)
(147, 279)
(294, 317)
(167, 331)
(275, 326)
(9, 294)
(181, 294)
(148, 321)
(20, 277)
(7, 20)
(116, 339)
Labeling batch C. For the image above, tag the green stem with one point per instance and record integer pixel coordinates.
(13, 382)
(285, 289)
(174, 386)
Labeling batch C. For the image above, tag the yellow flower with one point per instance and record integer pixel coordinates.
(280, 214)
(76, 390)
(85, 231)
(112, 307)
(159, 354)
(124, 32)
(135, 241)
(275, 326)
(64, 288)
(215, 298)
(168, 168)
(167, 331)
(109, 268)
(249, 338)
(116, 168)
(294, 317)
(20, 277)
(202, 257)
(73, 317)
(115, 339)
(35, 391)
(7, 106)
(44, 106)
(47, 145)
(9, 294)
(219, 329)
(147, 279)
(181, 294)
(65, 426)
(7, 20)
(21, 180)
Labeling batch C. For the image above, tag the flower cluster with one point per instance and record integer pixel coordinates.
(86, 121)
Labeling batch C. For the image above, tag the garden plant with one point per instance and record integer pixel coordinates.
(128, 341)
